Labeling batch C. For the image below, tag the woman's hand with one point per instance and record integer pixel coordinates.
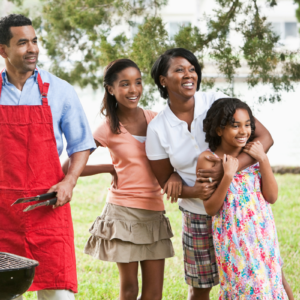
(215, 173)
(173, 187)
(230, 165)
(256, 150)
(114, 178)
(204, 190)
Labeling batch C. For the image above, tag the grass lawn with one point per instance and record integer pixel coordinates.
(99, 280)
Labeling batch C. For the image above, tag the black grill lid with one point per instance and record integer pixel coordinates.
(14, 262)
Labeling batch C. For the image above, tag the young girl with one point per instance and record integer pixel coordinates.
(244, 231)
(132, 227)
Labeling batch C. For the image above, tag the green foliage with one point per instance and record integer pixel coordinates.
(298, 9)
(148, 44)
(77, 35)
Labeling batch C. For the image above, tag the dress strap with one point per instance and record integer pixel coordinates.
(213, 153)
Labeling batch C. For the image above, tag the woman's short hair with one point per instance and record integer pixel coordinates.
(162, 64)
(219, 115)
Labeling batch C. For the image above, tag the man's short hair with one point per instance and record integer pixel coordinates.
(12, 20)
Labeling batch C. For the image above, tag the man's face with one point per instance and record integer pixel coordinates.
(22, 52)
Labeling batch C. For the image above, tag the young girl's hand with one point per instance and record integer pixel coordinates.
(256, 150)
(230, 165)
(173, 187)
(114, 178)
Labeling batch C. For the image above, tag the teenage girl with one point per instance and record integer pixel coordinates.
(244, 230)
(132, 228)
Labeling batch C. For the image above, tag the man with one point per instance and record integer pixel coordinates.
(36, 108)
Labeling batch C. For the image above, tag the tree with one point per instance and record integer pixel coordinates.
(77, 37)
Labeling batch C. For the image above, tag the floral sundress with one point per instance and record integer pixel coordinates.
(246, 243)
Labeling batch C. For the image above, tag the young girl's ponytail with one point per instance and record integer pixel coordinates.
(109, 105)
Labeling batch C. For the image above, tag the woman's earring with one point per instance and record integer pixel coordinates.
(112, 94)
(163, 86)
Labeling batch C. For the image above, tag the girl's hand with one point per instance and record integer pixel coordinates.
(173, 187)
(114, 178)
(230, 165)
(256, 150)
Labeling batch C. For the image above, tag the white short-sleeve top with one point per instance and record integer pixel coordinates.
(169, 137)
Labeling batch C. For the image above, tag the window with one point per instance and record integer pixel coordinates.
(277, 28)
(291, 29)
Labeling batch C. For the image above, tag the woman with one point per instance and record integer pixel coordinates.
(175, 139)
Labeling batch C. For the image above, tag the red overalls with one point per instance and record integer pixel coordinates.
(29, 166)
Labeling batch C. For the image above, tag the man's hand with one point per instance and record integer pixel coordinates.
(215, 173)
(73, 168)
(64, 190)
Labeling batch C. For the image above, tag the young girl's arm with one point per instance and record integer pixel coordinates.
(230, 165)
(269, 185)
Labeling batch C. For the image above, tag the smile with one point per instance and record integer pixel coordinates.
(242, 140)
(188, 85)
(133, 99)
(31, 58)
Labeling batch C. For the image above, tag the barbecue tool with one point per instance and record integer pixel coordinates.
(50, 197)
(16, 275)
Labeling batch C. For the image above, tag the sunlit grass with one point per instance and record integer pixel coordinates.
(99, 280)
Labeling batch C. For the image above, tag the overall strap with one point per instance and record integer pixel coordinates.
(44, 87)
(1, 81)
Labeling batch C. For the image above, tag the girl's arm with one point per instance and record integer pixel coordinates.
(216, 200)
(269, 185)
(90, 170)
(163, 170)
(173, 187)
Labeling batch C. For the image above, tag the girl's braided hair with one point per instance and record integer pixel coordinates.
(219, 115)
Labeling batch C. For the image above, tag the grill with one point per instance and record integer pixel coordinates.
(13, 262)
(16, 275)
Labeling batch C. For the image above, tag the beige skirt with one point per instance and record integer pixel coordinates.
(123, 234)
